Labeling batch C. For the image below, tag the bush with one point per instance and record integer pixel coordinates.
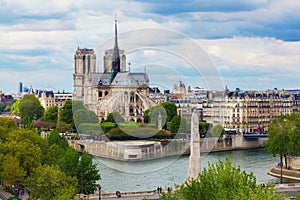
(138, 133)
(107, 126)
(89, 128)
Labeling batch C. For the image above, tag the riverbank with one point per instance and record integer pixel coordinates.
(149, 150)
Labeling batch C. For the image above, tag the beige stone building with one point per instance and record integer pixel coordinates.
(113, 90)
(249, 111)
(49, 98)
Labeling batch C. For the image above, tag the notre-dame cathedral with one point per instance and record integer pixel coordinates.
(113, 90)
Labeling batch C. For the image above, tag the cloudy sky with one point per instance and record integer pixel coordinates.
(250, 44)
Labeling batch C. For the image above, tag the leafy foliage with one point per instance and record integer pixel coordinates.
(107, 126)
(30, 109)
(12, 171)
(15, 107)
(179, 125)
(87, 174)
(138, 133)
(84, 116)
(203, 128)
(50, 183)
(89, 128)
(66, 113)
(114, 117)
(217, 131)
(51, 114)
(1, 107)
(222, 181)
(167, 110)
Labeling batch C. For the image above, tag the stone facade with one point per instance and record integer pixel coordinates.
(249, 111)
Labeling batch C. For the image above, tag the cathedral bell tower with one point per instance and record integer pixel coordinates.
(85, 64)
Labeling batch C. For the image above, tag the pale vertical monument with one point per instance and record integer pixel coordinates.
(194, 167)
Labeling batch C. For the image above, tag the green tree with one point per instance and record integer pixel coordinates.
(51, 114)
(171, 110)
(217, 131)
(278, 137)
(203, 128)
(63, 127)
(85, 116)
(15, 107)
(6, 125)
(30, 109)
(66, 113)
(178, 125)
(12, 171)
(87, 174)
(55, 138)
(1, 107)
(50, 183)
(115, 117)
(107, 126)
(222, 181)
(167, 110)
(29, 148)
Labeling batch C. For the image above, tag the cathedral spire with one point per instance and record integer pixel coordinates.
(116, 57)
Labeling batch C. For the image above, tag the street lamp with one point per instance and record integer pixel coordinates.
(99, 188)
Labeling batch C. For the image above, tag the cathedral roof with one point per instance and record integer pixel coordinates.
(121, 79)
(130, 79)
(99, 79)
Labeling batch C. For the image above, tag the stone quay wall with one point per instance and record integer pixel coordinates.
(147, 150)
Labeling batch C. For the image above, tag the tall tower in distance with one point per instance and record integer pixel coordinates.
(20, 87)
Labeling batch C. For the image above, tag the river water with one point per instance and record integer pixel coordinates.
(148, 175)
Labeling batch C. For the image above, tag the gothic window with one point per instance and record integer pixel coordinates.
(83, 64)
(105, 93)
(131, 97)
(100, 94)
(125, 95)
(131, 111)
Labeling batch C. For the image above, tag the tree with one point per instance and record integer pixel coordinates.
(217, 131)
(30, 109)
(29, 148)
(222, 181)
(203, 128)
(15, 107)
(50, 183)
(278, 138)
(66, 113)
(1, 107)
(12, 171)
(51, 114)
(85, 116)
(87, 174)
(171, 110)
(178, 124)
(55, 138)
(6, 125)
(115, 117)
(283, 136)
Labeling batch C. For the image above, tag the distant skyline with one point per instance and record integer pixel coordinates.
(254, 44)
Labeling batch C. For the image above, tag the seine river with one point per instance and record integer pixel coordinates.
(148, 175)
